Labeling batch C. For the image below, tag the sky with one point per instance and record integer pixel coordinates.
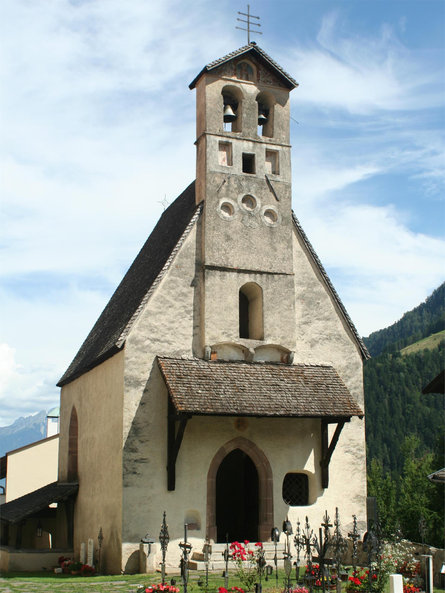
(98, 128)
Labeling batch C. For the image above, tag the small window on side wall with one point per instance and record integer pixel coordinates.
(225, 154)
(296, 489)
(248, 163)
(271, 162)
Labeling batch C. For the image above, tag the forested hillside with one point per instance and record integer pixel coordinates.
(404, 429)
(395, 406)
(428, 318)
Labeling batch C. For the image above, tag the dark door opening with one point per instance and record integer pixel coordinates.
(237, 498)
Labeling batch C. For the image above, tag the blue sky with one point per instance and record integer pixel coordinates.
(98, 126)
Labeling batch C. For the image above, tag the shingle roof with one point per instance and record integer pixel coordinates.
(255, 50)
(113, 325)
(238, 388)
(437, 385)
(20, 508)
(437, 477)
(330, 287)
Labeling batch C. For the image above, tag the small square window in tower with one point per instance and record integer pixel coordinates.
(248, 163)
(272, 163)
(296, 489)
(225, 154)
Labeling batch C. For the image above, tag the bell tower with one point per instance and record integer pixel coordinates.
(243, 177)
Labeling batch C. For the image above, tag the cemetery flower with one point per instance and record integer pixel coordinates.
(246, 563)
(86, 570)
(159, 588)
(410, 588)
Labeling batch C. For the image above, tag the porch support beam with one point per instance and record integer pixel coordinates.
(328, 448)
(174, 440)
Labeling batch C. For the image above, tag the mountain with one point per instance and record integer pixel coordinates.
(22, 432)
(406, 357)
(426, 319)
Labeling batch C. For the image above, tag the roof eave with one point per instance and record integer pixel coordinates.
(259, 53)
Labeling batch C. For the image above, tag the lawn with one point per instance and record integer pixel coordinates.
(44, 582)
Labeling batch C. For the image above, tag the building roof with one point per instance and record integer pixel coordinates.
(437, 385)
(23, 507)
(238, 388)
(437, 477)
(110, 330)
(53, 413)
(260, 54)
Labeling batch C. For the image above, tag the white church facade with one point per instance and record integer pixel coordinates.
(223, 381)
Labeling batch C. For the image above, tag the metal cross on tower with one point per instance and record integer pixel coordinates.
(249, 23)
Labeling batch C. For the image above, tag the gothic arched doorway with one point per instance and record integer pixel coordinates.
(237, 498)
(265, 487)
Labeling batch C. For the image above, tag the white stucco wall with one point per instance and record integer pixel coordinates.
(167, 327)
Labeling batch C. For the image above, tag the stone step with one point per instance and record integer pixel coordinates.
(217, 561)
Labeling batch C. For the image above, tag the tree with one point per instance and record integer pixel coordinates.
(384, 488)
(416, 492)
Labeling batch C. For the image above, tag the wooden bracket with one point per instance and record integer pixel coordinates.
(328, 448)
(174, 440)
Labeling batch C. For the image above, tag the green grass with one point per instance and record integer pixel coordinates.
(43, 582)
(429, 343)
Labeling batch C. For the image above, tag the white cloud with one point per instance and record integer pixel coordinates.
(364, 75)
(383, 268)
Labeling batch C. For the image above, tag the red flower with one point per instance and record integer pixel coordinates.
(246, 542)
(222, 590)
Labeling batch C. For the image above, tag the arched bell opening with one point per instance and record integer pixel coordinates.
(232, 109)
(251, 324)
(265, 106)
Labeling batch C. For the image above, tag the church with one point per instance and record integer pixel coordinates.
(223, 382)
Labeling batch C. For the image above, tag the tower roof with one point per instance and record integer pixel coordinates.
(254, 50)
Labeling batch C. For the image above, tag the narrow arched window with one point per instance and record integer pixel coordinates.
(72, 447)
(251, 312)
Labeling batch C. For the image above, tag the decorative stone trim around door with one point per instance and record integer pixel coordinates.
(265, 486)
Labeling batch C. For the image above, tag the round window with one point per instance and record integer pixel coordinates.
(226, 209)
(249, 202)
(271, 216)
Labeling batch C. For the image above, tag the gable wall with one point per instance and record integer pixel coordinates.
(165, 327)
(169, 326)
(97, 397)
